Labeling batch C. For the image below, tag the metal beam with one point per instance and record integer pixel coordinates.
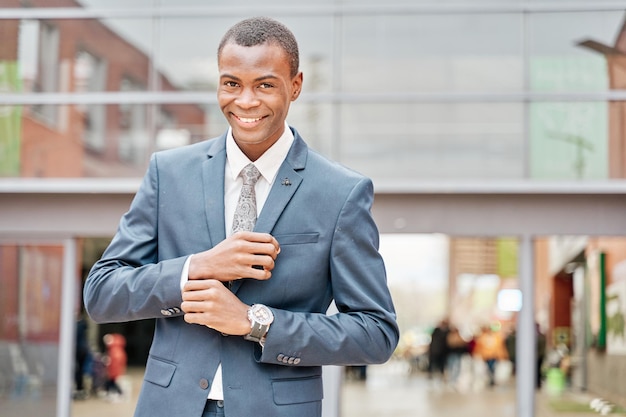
(89, 207)
(209, 97)
(356, 9)
(502, 214)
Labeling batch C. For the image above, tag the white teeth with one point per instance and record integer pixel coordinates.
(247, 120)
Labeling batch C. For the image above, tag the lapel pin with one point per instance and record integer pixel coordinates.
(285, 182)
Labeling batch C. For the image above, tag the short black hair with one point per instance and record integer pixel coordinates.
(259, 30)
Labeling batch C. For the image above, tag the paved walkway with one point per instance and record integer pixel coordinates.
(390, 391)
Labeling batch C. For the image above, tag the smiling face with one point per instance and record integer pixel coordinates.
(255, 91)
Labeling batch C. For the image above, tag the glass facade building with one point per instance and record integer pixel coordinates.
(521, 90)
(494, 119)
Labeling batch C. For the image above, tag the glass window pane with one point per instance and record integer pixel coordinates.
(576, 51)
(176, 125)
(190, 68)
(188, 3)
(314, 122)
(425, 53)
(79, 3)
(195, 68)
(75, 55)
(117, 140)
(116, 4)
(93, 140)
(577, 141)
(103, 141)
(434, 2)
(30, 284)
(434, 141)
(202, 3)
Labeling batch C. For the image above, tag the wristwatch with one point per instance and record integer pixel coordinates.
(260, 317)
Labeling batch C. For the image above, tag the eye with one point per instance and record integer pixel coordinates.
(230, 84)
(266, 85)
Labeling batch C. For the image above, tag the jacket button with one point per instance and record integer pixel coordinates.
(280, 357)
(166, 312)
(204, 384)
(296, 361)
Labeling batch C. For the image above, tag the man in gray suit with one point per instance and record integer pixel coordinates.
(241, 323)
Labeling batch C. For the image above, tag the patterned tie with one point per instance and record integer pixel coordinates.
(245, 213)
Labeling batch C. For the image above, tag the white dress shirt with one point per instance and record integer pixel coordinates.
(268, 165)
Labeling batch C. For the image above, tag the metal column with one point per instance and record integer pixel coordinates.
(526, 337)
(66, 336)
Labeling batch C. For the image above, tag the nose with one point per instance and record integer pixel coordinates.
(247, 99)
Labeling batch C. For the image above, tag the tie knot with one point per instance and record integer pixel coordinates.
(250, 174)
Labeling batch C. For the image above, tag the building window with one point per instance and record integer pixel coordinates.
(47, 78)
(90, 76)
(133, 135)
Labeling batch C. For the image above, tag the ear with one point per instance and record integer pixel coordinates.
(296, 86)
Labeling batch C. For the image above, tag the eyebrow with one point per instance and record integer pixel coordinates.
(261, 78)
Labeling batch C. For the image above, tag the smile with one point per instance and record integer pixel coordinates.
(248, 119)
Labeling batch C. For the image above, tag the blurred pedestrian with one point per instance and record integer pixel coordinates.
(98, 373)
(540, 355)
(456, 348)
(510, 341)
(490, 348)
(80, 358)
(438, 349)
(115, 363)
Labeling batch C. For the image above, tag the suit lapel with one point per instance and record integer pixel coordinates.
(285, 185)
(213, 179)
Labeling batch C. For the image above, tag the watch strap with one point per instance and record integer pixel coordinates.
(257, 332)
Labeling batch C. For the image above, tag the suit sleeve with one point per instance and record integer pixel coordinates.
(364, 331)
(129, 282)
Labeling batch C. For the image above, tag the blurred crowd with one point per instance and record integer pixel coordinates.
(470, 360)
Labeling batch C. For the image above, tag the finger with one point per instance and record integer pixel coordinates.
(194, 285)
(196, 295)
(194, 318)
(263, 262)
(259, 238)
(269, 249)
(197, 285)
(193, 306)
(259, 273)
(256, 259)
(275, 244)
(262, 274)
(254, 236)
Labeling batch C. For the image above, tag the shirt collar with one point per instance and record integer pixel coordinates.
(268, 164)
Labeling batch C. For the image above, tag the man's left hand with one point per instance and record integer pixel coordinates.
(210, 303)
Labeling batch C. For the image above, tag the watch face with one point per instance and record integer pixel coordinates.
(261, 314)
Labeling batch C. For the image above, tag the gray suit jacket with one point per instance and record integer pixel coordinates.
(329, 251)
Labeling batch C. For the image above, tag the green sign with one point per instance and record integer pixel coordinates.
(507, 249)
(10, 121)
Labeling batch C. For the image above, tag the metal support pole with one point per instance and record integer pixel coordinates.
(526, 337)
(332, 376)
(66, 336)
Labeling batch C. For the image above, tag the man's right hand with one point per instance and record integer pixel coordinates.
(242, 255)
